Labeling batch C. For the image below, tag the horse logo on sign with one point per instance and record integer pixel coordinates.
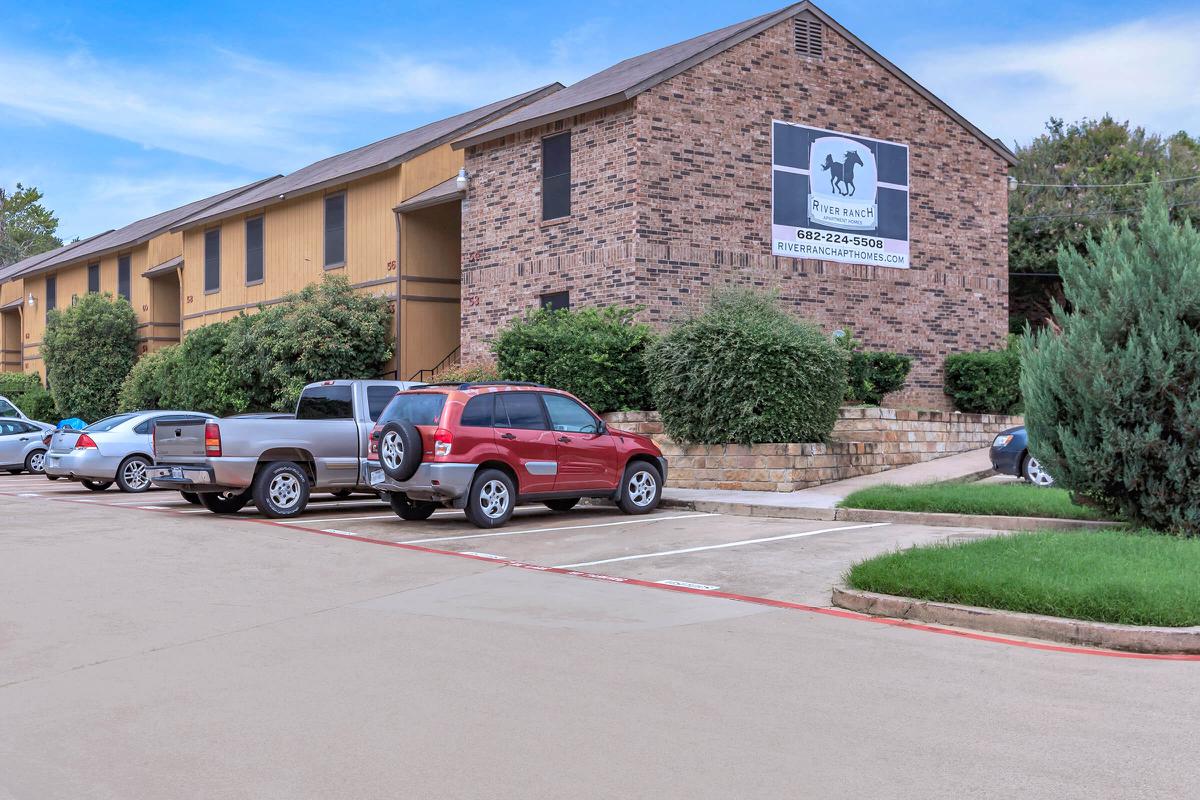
(847, 198)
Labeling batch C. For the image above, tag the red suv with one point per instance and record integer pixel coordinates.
(487, 447)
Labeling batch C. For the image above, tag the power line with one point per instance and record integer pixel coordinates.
(1098, 213)
(1105, 185)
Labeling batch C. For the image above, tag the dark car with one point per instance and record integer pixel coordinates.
(1010, 456)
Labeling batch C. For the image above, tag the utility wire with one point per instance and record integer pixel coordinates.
(1105, 185)
(1098, 213)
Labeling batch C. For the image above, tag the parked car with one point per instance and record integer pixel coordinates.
(21, 447)
(277, 463)
(9, 410)
(489, 447)
(116, 449)
(1010, 456)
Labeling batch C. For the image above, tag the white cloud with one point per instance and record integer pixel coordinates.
(1145, 71)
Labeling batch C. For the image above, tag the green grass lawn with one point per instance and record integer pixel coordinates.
(1135, 578)
(1008, 499)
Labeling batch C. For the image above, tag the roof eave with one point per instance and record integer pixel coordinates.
(534, 122)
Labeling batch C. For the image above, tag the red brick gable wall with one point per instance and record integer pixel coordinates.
(672, 193)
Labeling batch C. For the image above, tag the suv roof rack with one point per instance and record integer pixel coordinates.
(477, 384)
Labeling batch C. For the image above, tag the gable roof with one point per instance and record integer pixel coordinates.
(376, 157)
(12, 270)
(132, 234)
(631, 77)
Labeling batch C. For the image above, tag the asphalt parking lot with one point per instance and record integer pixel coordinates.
(783, 559)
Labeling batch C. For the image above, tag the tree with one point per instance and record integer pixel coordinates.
(88, 348)
(26, 226)
(1112, 398)
(1076, 179)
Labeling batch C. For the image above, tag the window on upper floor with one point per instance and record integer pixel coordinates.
(212, 260)
(556, 176)
(335, 230)
(93, 277)
(556, 301)
(51, 293)
(254, 250)
(123, 273)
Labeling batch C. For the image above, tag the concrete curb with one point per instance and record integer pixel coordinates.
(1110, 636)
(900, 517)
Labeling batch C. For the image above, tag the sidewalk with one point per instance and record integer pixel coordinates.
(819, 502)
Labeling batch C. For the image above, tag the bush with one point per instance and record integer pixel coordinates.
(1112, 399)
(746, 371)
(146, 385)
(987, 382)
(870, 376)
(325, 331)
(15, 384)
(88, 348)
(597, 354)
(474, 372)
(25, 390)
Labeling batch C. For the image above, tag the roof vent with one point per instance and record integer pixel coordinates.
(809, 35)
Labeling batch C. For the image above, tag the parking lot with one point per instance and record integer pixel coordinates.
(783, 559)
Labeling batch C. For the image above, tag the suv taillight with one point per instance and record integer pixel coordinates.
(443, 440)
(373, 443)
(85, 442)
(212, 440)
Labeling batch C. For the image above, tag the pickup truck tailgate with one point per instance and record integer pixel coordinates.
(179, 441)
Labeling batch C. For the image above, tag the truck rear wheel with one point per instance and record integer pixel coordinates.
(281, 490)
(224, 502)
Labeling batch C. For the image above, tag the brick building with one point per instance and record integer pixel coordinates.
(651, 183)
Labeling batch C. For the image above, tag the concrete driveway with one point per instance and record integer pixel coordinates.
(163, 653)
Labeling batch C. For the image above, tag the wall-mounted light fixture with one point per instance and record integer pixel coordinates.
(463, 180)
(32, 301)
(1012, 183)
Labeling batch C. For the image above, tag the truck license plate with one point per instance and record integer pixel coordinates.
(177, 473)
(376, 476)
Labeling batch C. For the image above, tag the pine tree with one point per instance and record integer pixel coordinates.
(1112, 399)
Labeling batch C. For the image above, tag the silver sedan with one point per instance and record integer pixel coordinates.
(115, 449)
(21, 448)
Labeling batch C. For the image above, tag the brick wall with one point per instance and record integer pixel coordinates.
(864, 441)
(673, 198)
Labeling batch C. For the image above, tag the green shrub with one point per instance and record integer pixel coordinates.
(987, 382)
(1112, 399)
(88, 348)
(25, 390)
(870, 376)
(597, 354)
(475, 372)
(210, 373)
(15, 384)
(746, 371)
(325, 331)
(149, 383)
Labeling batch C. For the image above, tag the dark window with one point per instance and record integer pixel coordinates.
(478, 411)
(556, 176)
(326, 402)
(93, 277)
(335, 230)
(108, 423)
(123, 271)
(567, 415)
(378, 398)
(7, 409)
(145, 425)
(254, 250)
(520, 410)
(556, 301)
(51, 293)
(419, 408)
(212, 260)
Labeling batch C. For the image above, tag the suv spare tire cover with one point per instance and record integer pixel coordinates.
(408, 438)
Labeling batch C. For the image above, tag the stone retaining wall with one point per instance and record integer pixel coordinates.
(864, 441)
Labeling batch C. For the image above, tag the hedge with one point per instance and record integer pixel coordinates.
(88, 349)
(25, 390)
(987, 382)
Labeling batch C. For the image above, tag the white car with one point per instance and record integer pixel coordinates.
(21, 447)
(115, 449)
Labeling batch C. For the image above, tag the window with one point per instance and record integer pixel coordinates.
(93, 278)
(123, 277)
(254, 250)
(556, 301)
(335, 230)
(212, 260)
(520, 410)
(326, 402)
(7, 409)
(478, 411)
(556, 176)
(377, 399)
(808, 35)
(108, 423)
(567, 415)
(51, 293)
(419, 408)
(144, 426)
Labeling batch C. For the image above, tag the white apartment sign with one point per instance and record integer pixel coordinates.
(838, 197)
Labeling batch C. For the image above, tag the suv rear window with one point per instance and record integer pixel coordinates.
(326, 402)
(417, 408)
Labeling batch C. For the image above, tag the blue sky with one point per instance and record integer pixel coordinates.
(120, 111)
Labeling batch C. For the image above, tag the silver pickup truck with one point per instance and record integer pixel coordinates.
(276, 463)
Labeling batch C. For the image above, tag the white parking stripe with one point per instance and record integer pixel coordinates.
(721, 546)
(563, 528)
(309, 520)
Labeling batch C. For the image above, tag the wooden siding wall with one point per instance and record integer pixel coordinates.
(430, 245)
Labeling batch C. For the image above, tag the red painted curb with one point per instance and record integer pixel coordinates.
(741, 598)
